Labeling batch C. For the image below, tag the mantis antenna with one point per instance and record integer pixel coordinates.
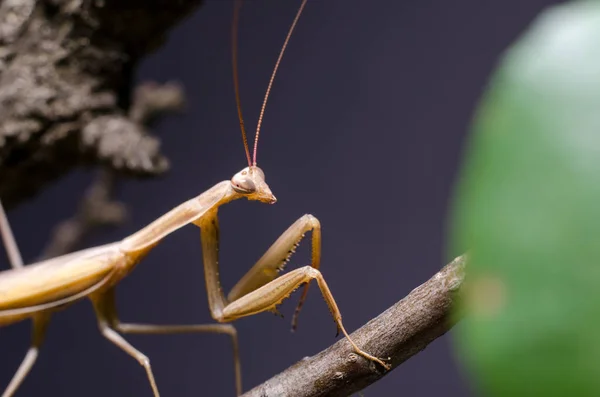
(236, 84)
(238, 4)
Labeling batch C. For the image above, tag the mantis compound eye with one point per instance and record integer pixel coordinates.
(242, 184)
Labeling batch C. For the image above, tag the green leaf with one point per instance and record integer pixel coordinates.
(527, 210)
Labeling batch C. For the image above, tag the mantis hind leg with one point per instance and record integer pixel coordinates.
(110, 324)
(40, 324)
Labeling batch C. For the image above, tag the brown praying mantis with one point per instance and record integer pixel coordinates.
(36, 290)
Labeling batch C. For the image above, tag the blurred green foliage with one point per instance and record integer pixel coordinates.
(527, 210)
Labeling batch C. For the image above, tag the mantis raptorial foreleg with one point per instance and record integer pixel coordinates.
(262, 289)
(110, 325)
(272, 262)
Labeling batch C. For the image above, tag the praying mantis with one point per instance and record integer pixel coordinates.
(35, 291)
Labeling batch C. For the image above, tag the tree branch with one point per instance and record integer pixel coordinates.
(66, 73)
(400, 332)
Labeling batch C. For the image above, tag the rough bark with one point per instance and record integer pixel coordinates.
(399, 333)
(66, 88)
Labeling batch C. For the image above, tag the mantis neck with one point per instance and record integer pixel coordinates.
(191, 211)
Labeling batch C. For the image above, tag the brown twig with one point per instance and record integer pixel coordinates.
(400, 332)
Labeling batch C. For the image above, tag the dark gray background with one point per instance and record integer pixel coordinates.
(364, 130)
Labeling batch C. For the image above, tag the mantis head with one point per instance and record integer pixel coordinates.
(250, 183)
